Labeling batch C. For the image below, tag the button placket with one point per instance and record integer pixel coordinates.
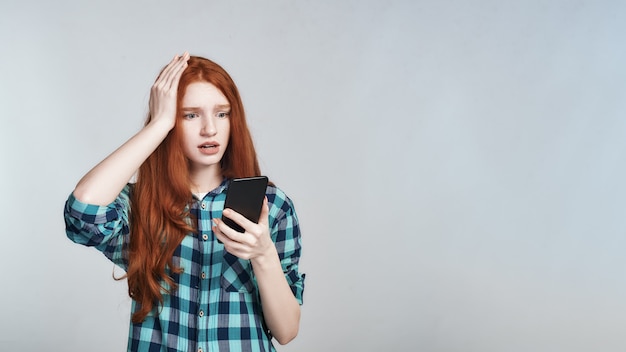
(205, 212)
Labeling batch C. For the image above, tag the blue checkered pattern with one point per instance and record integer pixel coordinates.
(216, 306)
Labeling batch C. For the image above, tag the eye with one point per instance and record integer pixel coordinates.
(223, 115)
(190, 116)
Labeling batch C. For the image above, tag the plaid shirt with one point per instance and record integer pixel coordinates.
(217, 305)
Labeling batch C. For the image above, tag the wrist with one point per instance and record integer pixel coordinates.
(267, 259)
(162, 124)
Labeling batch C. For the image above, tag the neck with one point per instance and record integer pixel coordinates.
(205, 179)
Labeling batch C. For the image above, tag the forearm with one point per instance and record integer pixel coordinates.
(280, 308)
(102, 184)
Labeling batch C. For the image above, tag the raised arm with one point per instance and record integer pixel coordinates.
(104, 182)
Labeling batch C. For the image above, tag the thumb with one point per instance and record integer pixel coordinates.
(265, 213)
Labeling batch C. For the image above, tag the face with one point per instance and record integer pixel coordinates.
(205, 125)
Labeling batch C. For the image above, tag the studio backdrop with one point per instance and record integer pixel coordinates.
(457, 166)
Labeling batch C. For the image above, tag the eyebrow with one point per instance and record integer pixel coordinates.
(216, 107)
(191, 108)
(222, 107)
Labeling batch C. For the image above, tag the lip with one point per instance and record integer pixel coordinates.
(214, 149)
(208, 143)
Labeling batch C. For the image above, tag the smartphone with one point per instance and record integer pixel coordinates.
(245, 196)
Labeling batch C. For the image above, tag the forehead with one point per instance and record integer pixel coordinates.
(203, 93)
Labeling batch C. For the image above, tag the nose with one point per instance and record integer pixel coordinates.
(208, 127)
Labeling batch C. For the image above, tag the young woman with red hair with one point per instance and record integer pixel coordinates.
(196, 284)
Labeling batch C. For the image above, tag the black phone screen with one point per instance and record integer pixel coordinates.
(245, 196)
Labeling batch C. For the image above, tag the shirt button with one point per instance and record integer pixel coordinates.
(203, 205)
(201, 313)
(205, 237)
(203, 275)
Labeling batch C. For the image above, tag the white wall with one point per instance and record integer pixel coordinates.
(458, 167)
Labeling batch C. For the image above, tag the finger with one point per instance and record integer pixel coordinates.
(265, 213)
(225, 231)
(172, 76)
(180, 68)
(176, 70)
(238, 250)
(164, 72)
(221, 237)
(230, 245)
(171, 70)
(242, 221)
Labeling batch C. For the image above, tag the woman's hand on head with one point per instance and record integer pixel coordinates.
(254, 243)
(164, 91)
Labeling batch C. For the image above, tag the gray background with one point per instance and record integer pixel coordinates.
(458, 166)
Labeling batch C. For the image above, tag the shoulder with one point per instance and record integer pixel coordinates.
(282, 216)
(278, 198)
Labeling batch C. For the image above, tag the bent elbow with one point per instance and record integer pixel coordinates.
(287, 337)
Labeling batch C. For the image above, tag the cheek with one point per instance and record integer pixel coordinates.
(184, 136)
(187, 142)
(226, 131)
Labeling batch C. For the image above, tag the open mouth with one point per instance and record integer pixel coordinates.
(208, 145)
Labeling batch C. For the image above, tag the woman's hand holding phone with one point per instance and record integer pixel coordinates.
(254, 243)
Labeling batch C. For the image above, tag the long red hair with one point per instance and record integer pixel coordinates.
(160, 215)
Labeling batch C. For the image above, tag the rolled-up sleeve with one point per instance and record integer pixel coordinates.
(286, 235)
(103, 227)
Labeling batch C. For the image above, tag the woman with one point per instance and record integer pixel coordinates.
(195, 283)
